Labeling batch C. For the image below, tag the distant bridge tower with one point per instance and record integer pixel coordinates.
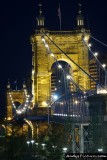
(14, 99)
(71, 42)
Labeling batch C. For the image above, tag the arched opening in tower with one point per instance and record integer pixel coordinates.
(60, 84)
(17, 105)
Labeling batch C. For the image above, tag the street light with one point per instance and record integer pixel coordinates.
(64, 149)
(28, 142)
(54, 147)
(43, 145)
(32, 141)
(100, 150)
(36, 144)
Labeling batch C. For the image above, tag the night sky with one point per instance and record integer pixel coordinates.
(18, 23)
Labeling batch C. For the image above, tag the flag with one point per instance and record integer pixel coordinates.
(15, 83)
(59, 12)
(59, 15)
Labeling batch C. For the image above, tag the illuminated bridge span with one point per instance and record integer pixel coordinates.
(71, 83)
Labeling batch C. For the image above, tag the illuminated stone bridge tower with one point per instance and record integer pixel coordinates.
(71, 42)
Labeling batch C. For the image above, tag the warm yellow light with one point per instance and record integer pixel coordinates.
(33, 71)
(52, 54)
(43, 39)
(76, 102)
(19, 111)
(46, 45)
(85, 38)
(101, 91)
(9, 118)
(44, 103)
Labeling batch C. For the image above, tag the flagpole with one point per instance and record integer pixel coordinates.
(60, 23)
(15, 82)
(59, 15)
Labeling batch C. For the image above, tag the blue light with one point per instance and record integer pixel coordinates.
(55, 97)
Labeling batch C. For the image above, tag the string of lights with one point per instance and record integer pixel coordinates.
(22, 108)
(11, 99)
(102, 70)
(94, 54)
(89, 45)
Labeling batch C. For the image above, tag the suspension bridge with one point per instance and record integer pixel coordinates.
(69, 86)
(70, 102)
